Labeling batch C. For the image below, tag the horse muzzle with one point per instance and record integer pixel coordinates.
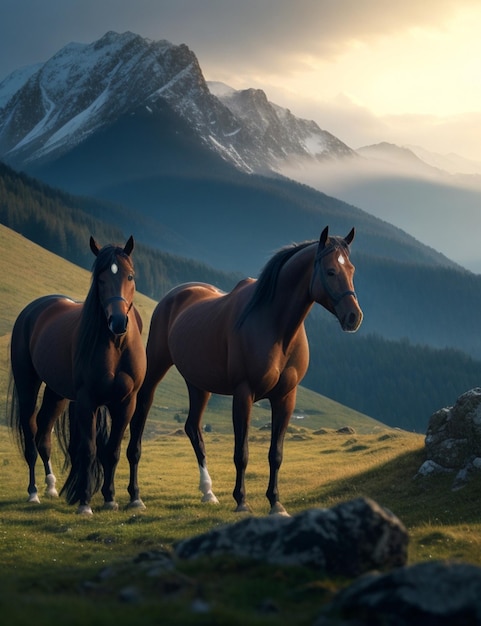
(349, 313)
(116, 311)
(118, 324)
(351, 322)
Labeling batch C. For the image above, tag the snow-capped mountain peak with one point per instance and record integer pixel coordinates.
(83, 87)
(15, 81)
(48, 109)
(287, 136)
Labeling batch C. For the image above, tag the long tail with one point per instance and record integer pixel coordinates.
(80, 473)
(13, 415)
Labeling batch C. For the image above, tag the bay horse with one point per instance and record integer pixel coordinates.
(249, 344)
(90, 354)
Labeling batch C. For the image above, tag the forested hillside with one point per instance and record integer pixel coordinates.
(399, 383)
(63, 223)
(396, 382)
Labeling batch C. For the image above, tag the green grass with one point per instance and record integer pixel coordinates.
(54, 561)
(57, 566)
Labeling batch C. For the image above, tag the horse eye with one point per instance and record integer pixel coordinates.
(331, 272)
(130, 277)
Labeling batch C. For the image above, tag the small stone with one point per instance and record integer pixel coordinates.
(130, 595)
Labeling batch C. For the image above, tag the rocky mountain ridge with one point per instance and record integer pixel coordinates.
(49, 109)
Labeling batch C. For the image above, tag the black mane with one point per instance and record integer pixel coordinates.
(267, 282)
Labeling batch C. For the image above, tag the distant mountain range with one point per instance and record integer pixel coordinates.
(198, 169)
(130, 120)
(436, 198)
(46, 111)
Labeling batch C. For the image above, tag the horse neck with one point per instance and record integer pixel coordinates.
(293, 301)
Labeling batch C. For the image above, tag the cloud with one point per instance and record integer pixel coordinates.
(250, 36)
(278, 36)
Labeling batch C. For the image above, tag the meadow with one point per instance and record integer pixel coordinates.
(107, 569)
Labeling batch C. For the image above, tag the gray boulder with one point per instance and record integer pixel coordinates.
(435, 593)
(453, 439)
(348, 540)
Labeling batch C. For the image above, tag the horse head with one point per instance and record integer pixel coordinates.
(114, 273)
(332, 280)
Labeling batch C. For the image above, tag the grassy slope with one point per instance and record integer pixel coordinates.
(51, 559)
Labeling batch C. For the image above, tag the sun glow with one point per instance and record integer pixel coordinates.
(423, 71)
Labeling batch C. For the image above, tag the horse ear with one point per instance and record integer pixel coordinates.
(129, 246)
(94, 246)
(348, 239)
(323, 238)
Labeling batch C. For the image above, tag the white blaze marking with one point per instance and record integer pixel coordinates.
(114, 268)
(341, 259)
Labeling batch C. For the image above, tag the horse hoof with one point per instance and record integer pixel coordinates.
(33, 498)
(136, 504)
(210, 497)
(278, 509)
(85, 510)
(110, 506)
(243, 508)
(50, 490)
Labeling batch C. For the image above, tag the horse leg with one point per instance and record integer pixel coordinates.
(52, 408)
(241, 409)
(120, 418)
(198, 400)
(282, 409)
(82, 450)
(145, 397)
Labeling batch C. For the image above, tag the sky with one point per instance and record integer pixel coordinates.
(366, 70)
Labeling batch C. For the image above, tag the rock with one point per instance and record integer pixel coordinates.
(347, 540)
(346, 430)
(440, 593)
(453, 439)
(430, 467)
(130, 595)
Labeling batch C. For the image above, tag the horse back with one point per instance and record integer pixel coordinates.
(193, 327)
(168, 310)
(199, 304)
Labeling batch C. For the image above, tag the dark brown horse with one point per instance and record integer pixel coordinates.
(250, 344)
(90, 353)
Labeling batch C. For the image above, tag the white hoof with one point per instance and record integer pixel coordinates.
(210, 497)
(110, 506)
(50, 490)
(136, 504)
(85, 510)
(33, 498)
